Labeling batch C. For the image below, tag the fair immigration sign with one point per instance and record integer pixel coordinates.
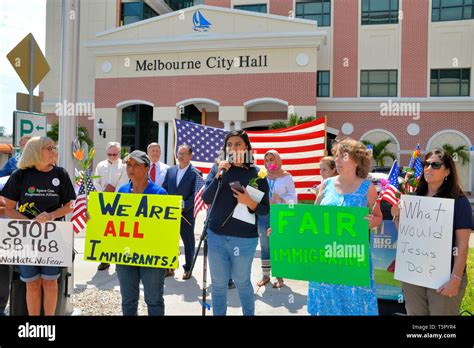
(320, 243)
(132, 229)
(27, 242)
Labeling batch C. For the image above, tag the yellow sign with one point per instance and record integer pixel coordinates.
(133, 229)
(19, 58)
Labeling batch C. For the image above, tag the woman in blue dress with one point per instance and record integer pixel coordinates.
(350, 188)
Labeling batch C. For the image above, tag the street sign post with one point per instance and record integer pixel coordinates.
(28, 123)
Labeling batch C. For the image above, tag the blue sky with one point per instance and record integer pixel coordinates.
(18, 18)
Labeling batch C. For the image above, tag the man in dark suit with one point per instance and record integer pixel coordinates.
(180, 180)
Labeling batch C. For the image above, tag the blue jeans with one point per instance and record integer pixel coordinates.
(231, 255)
(263, 225)
(153, 280)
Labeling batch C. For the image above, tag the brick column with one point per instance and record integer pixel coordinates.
(414, 65)
(280, 7)
(221, 3)
(346, 27)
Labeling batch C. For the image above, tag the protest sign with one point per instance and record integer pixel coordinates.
(320, 243)
(133, 229)
(27, 242)
(424, 241)
(383, 245)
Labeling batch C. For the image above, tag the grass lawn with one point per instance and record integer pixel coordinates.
(468, 301)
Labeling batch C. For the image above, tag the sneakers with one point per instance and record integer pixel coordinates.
(169, 272)
(103, 266)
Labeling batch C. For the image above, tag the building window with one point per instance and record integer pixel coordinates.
(262, 8)
(379, 12)
(450, 82)
(452, 10)
(317, 10)
(323, 84)
(180, 4)
(136, 11)
(378, 83)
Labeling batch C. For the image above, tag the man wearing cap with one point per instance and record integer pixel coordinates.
(153, 279)
(180, 180)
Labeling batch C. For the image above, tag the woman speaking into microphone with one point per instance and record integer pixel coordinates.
(232, 242)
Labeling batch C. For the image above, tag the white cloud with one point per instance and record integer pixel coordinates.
(18, 18)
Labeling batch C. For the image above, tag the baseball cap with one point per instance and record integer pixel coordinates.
(139, 157)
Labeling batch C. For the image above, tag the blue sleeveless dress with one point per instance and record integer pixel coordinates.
(334, 299)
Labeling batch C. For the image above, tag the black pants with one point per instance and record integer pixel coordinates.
(187, 235)
(5, 278)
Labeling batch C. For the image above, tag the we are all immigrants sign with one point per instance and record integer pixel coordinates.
(320, 243)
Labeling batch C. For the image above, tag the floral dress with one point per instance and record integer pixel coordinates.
(335, 299)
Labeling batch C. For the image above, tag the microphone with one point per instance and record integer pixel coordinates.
(229, 159)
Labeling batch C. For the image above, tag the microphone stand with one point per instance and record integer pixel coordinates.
(203, 239)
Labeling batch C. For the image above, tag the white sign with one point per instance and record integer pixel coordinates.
(27, 242)
(28, 123)
(424, 241)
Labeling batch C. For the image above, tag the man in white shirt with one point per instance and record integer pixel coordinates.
(158, 169)
(113, 174)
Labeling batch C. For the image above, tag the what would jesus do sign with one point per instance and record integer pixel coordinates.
(133, 229)
(320, 243)
(424, 241)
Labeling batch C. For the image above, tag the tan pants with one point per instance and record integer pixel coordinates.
(423, 301)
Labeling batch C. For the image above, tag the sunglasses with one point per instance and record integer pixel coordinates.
(112, 154)
(434, 165)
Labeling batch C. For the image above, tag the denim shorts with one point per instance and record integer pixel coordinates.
(30, 273)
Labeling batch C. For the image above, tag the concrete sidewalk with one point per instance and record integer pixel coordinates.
(184, 297)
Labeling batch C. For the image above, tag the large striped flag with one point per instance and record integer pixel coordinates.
(78, 218)
(198, 190)
(301, 147)
(390, 192)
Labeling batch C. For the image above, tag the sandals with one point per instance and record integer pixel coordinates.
(279, 283)
(262, 282)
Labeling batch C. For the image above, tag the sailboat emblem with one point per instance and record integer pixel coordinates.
(200, 23)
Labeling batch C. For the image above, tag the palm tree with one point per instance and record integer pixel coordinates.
(82, 133)
(456, 153)
(293, 120)
(380, 152)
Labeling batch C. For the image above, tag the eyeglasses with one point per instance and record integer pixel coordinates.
(112, 154)
(51, 148)
(434, 165)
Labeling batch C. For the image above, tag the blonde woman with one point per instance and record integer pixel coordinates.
(48, 194)
(282, 191)
(350, 188)
(327, 169)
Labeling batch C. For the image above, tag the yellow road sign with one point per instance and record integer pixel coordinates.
(19, 58)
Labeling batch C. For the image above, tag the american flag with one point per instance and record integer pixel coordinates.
(301, 148)
(198, 190)
(78, 218)
(390, 193)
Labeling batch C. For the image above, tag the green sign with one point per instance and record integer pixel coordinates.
(320, 243)
(28, 123)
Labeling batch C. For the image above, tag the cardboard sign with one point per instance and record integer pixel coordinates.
(27, 242)
(133, 229)
(320, 243)
(424, 241)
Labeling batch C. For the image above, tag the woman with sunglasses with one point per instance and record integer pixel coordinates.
(112, 174)
(440, 179)
(39, 191)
